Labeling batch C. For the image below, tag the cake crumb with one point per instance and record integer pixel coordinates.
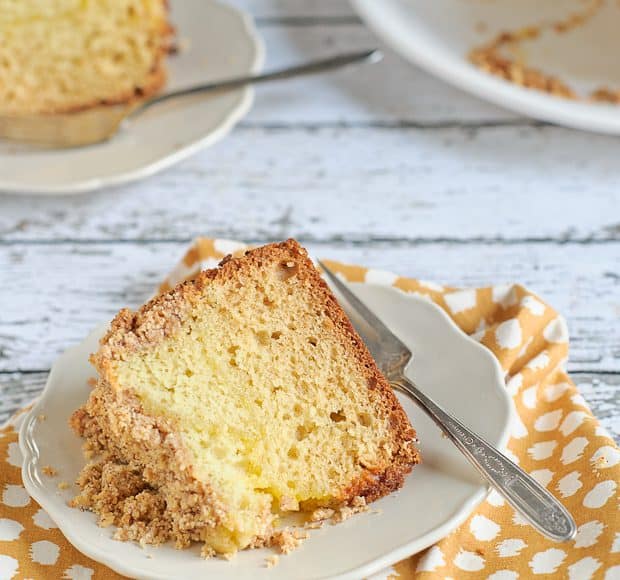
(287, 539)
(605, 95)
(42, 417)
(63, 485)
(359, 502)
(49, 471)
(272, 560)
(600, 462)
(314, 525)
(207, 552)
(321, 514)
(358, 505)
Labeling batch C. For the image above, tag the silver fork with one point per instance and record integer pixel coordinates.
(525, 494)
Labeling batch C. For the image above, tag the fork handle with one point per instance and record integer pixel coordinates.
(524, 493)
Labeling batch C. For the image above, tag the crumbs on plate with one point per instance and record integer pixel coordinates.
(500, 57)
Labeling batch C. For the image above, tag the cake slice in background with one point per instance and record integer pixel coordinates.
(232, 399)
(61, 56)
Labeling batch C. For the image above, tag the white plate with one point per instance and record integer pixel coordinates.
(440, 493)
(221, 42)
(438, 35)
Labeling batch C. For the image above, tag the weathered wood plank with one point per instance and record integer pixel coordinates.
(603, 395)
(602, 392)
(355, 184)
(18, 390)
(52, 295)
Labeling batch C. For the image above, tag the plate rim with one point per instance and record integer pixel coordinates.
(234, 115)
(596, 118)
(35, 489)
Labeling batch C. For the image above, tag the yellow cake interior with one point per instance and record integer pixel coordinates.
(62, 55)
(265, 396)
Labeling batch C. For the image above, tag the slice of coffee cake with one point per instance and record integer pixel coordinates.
(61, 56)
(233, 398)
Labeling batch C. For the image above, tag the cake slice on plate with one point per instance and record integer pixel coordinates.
(232, 399)
(60, 56)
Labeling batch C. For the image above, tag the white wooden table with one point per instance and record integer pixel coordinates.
(383, 166)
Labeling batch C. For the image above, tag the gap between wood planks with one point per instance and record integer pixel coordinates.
(308, 21)
(398, 124)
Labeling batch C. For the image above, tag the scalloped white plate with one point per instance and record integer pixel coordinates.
(222, 42)
(438, 496)
(438, 35)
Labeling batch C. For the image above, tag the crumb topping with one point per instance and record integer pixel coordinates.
(49, 471)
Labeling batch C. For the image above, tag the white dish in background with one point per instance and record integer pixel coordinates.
(458, 372)
(220, 42)
(438, 36)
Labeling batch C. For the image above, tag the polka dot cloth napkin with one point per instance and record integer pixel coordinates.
(556, 439)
